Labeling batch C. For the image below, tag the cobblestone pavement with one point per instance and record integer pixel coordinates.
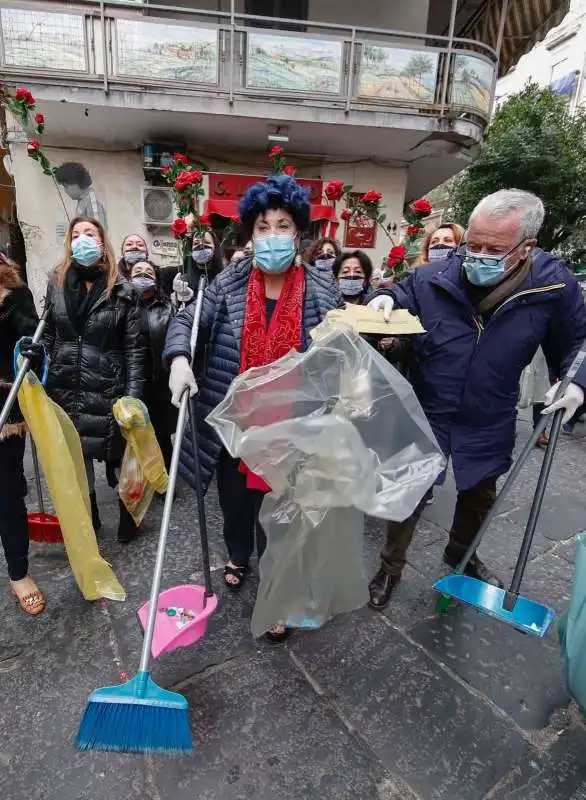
(371, 707)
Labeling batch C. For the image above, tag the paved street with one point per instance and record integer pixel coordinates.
(403, 705)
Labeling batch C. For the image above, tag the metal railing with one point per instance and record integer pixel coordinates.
(123, 44)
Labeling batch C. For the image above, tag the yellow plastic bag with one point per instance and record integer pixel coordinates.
(61, 457)
(143, 469)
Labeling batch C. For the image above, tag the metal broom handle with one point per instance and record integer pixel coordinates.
(173, 470)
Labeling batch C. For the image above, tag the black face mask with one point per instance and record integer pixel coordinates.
(439, 251)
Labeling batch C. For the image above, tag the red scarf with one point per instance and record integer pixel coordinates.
(262, 345)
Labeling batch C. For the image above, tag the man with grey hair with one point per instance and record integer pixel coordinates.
(485, 312)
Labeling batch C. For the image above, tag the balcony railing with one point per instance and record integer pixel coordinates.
(124, 45)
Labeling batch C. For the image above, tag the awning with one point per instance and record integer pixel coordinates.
(528, 22)
(229, 209)
(567, 84)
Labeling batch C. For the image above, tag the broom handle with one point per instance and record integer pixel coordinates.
(22, 371)
(168, 507)
(520, 463)
(535, 509)
(37, 476)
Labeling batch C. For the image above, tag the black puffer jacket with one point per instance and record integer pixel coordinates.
(156, 316)
(88, 373)
(18, 317)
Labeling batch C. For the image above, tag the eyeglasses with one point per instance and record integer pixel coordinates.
(491, 261)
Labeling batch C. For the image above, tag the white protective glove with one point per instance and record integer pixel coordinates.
(183, 291)
(571, 400)
(181, 378)
(383, 303)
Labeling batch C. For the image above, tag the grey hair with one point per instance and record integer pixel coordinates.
(501, 203)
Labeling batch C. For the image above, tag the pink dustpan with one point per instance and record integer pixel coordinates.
(181, 619)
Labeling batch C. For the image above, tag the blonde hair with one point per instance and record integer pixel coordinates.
(108, 260)
(456, 229)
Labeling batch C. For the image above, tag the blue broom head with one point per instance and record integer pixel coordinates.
(136, 717)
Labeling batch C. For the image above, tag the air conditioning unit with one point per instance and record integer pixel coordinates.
(157, 205)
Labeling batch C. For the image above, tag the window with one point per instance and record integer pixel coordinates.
(286, 9)
(559, 69)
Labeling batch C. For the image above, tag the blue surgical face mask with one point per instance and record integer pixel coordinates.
(133, 257)
(144, 284)
(203, 255)
(485, 270)
(86, 251)
(274, 254)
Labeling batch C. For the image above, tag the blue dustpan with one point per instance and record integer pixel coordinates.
(510, 607)
(526, 615)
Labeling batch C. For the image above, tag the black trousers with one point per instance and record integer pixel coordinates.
(163, 418)
(240, 508)
(13, 515)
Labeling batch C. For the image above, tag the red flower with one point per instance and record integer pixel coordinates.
(166, 171)
(235, 219)
(334, 190)
(421, 206)
(289, 170)
(33, 145)
(179, 227)
(274, 152)
(186, 179)
(413, 230)
(371, 198)
(398, 252)
(346, 215)
(204, 219)
(39, 119)
(392, 262)
(23, 95)
(180, 158)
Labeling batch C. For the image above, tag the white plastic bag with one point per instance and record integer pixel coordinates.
(334, 431)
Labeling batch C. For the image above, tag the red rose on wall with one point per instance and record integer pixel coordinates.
(33, 145)
(187, 178)
(371, 198)
(334, 190)
(179, 227)
(289, 170)
(204, 220)
(39, 119)
(346, 215)
(413, 230)
(392, 262)
(398, 252)
(274, 152)
(421, 206)
(235, 219)
(180, 158)
(24, 95)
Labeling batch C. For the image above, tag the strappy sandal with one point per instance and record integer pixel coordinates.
(236, 572)
(32, 603)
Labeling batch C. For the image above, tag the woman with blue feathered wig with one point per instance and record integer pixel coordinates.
(253, 313)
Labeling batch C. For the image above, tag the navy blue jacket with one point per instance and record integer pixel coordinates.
(466, 372)
(220, 332)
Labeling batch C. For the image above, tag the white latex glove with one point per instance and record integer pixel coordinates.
(571, 400)
(383, 303)
(181, 378)
(183, 291)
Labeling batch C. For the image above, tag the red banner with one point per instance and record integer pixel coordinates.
(229, 186)
(360, 232)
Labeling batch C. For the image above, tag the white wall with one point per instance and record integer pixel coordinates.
(117, 178)
(43, 210)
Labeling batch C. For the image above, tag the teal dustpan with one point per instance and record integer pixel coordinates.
(528, 616)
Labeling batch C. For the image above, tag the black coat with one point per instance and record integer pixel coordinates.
(157, 313)
(18, 317)
(88, 373)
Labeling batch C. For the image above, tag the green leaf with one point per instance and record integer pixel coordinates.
(347, 188)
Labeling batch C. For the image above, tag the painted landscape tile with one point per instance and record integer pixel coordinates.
(293, 63)
(43, 40)
(472, 82)
(390, 73)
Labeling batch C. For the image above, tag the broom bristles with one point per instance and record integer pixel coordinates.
(134, 728)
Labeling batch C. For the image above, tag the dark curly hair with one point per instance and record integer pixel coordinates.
(72, 172)
(279, 191)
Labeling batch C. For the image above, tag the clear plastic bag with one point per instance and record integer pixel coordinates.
(61, 457)
(143, 468)
(334, 431)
